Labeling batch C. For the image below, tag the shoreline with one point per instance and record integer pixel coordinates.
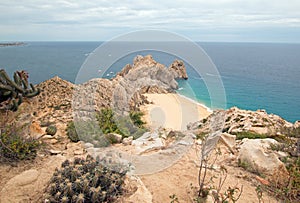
(172, 111)
(196, 102)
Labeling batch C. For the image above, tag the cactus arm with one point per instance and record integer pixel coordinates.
(33, 87)
(7, 93)
(17, 79)
(32, 94)
(12, 83)
(5, 87)
(14, 106)
(20, 100)
(25, 84)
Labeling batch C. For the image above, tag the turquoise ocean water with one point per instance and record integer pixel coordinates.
(255, 75)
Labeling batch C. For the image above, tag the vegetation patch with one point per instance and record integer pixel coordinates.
(249, 135)
(14, 146)
(97, 132)
(289, 192)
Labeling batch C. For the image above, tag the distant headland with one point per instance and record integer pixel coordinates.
(8, 44)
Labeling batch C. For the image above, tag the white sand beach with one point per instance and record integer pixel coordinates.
(172, 111)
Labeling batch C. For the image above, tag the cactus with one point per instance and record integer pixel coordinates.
(71, 132)
(51, 130)
(13, 91)
(84, 180)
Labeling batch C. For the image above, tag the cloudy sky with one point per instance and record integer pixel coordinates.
(199, 20)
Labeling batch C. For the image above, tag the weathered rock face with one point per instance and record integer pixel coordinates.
(55, 100)
(237, 120)
(178, 69)
(146, 75)
(124, 92)
(55, 92)
(255, 156)
(297, 124)
(91, 96)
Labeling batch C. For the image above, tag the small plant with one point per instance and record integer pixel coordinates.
(136, 118)
(14, 146)
(71, 132)
(84, 180)
(201, 135)
(174, 198)
(209, 143)
(51, 130)
(259, 193)
(232, 194)
(107, 121)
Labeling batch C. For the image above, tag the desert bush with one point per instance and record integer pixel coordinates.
(250, 135)
(14, 146)
(71, 132)
(107, 122)
(136, 117)
(84, 180)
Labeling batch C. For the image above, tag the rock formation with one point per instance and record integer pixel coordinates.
(124, 92)
(178, 69)
(237, 120)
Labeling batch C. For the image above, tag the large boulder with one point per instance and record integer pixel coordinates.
(256, 156)
(148, 142)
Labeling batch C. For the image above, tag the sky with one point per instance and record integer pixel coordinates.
(198, 20)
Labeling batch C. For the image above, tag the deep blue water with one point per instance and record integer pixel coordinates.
(255, 75)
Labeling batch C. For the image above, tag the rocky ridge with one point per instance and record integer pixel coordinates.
(54, 105)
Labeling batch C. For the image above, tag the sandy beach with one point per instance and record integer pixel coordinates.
(172, 111)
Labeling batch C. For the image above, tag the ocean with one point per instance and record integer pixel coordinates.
(254, 75)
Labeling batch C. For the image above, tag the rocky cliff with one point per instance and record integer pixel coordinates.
(124, 92)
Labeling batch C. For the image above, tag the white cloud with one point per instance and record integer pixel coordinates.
(87, 17)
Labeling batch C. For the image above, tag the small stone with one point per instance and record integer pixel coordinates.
(47, 137)
(262, 181)
(198, 142)
(78, 152)
(184, 143)
(114, 137)
(88, 145)
(127, 140)
(54, 152)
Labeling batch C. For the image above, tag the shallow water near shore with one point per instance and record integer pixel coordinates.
(255, 75)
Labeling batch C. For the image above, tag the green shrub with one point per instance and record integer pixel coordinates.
(107, 122)
(126, 126)
(71, 132)
(250, 135)
(14, 146)
(136, 118)
(84, 180)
